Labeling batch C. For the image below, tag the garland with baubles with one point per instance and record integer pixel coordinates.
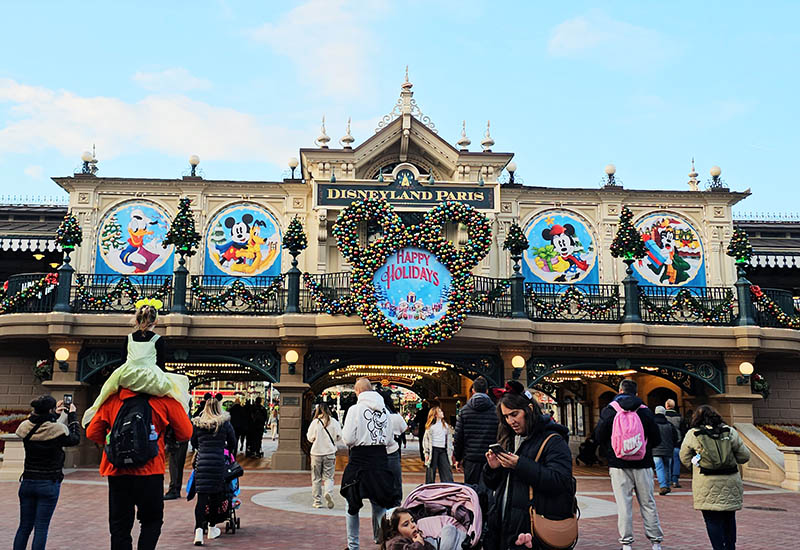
(343, 306)
(492, 295)
(295, 238)
(768, 305)
(43, 370)
(10, 303)
(395, 235)
(740, 248)
(238, 291)
(573, 297)
(69, 234)
(182, 232)
(516, 242)
(684, 300)
(123, 287)
(627, 243)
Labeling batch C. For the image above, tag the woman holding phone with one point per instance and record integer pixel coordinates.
(51, 427)
(511, 470)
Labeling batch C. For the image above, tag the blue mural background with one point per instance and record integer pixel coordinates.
(675, 256)
(568, 256)
(243, 240)
(130, 241)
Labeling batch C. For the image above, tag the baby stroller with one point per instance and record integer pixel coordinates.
(222, 506)
(587, 452)
(438, 504)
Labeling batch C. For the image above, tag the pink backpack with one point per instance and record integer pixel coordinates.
(627, 434)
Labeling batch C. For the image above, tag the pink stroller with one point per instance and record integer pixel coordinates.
(438, 504)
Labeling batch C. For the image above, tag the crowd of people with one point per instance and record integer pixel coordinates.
(515, 457)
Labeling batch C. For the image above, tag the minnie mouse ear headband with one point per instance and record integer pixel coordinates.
(155, 303)
(389, 513)
(512, 386)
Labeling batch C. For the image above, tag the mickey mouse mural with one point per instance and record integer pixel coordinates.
(561, 249)
(130, 240)
(243, 240)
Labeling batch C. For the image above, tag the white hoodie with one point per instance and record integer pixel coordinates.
(398, 426)
(367, 422)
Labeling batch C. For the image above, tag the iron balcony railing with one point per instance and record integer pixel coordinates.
(688, 305)
(223, 294)
(575, 302)
(98, 293)
(39, 302)
(491, 297)
(333, 287)
(783, 299)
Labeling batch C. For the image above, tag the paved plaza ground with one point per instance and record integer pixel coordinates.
(276, 513)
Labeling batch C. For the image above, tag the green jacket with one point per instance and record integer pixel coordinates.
(721, 493)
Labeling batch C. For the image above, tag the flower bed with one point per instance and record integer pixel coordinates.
(783, 435)
(10, 419)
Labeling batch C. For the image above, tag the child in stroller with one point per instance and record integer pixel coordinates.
(587, 452)
(222, 507)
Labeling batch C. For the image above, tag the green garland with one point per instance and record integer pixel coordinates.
(182, 232)
(69, 234)
(10, 303)
(344, 306)
(395, 235)
(123, 287)
(491, 296)
(295, 238)
(238, 290)
(516, 242)
(769, 305)
(740, 248)
(574, 296)
(684, 299)
(628, 241)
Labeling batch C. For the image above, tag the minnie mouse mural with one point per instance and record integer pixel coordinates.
(561, 249)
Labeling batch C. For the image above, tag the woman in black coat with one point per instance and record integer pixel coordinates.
(213, 433)
(522, 430)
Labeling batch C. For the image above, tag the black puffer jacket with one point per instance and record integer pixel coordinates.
(669, 436)
(476, 429)
(44, 453)
(603, 432)
(551, 479)
(209, 464)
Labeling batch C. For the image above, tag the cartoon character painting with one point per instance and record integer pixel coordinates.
(243, 240)
(561, 249)
(131, 240)
(674, 253)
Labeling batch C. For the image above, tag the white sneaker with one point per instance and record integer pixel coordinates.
(198, 537)
(317, 505)
(656, 546)
(213, 532)
(329, 500)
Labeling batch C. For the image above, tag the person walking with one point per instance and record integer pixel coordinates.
(324, 433)
(437, 443)
(662, 453)
(678, 421)
(367, 430)
(255, 434)
(393, 452)
(45, 433)
(213, 433)
(714, 451)
(177, 460)
(419, 421)
(516, 477)
(274, 418)
(240, 418)
(628, 430)
(476, 429)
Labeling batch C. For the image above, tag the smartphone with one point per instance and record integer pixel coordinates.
(67, 400)
(496, 448)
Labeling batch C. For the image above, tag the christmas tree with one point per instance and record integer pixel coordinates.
(217, 236)
(516, 241)
(627, 242)
(295, 239)
(111, 237)
(740, 248)
(182, 232)
(69, 234)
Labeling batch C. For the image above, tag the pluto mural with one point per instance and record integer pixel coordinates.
(243, 240)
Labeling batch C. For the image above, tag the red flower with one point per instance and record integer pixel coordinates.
(51, 279)
(756, 290)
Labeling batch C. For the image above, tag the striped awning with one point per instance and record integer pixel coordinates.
(775, 260)
(28, 244)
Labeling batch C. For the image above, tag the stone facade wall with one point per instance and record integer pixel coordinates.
(17, 384)
(783, 404)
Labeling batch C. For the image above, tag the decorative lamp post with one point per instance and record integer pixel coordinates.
(517, 363)
(746, 369)
(741, 251)
(716, 183)
(194, 160)
(511, 167)
(517, 243)
(68, 236)
(183, 235)
(291, 359)
(629, 246)
(611, 180)
(293, 163)
(295, 241)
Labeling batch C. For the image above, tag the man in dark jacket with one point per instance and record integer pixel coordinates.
(476, 429)
(258, 418)
(676, 420)
(662, 454)
(420, 419)
(632, 476)
(240, 420)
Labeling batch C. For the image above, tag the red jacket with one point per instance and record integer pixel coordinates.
(166, 412)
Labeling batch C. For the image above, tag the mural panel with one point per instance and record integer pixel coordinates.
(561, 249)
(130, 240)
(243, 240)
(674, 252)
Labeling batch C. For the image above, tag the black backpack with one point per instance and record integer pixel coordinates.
(133, 440)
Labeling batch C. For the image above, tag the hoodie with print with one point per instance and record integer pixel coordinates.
(367, 422)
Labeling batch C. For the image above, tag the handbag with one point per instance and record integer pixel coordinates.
(233, 470)
(553, 534)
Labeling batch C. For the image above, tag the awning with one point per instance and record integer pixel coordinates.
(28, 244)
(775, 260)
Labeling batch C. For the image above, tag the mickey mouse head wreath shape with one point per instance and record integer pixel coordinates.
(411, 286)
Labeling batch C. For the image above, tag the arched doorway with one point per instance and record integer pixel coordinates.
(659, 396)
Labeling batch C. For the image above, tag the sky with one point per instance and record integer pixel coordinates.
(568, 87)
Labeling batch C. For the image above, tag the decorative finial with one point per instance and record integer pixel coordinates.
(464, 142)
(323, 138)
(347, 140)
(407, 85)
(694, 183)
(487, 141)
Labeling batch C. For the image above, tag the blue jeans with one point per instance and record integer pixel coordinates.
(353, 526)
(37, 502)
(663, 470)
(676, 465)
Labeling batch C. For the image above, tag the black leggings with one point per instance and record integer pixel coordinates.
(203, 500)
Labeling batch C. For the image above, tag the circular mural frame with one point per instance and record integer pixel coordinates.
(562, 249)
(675, 252)
(242, 240)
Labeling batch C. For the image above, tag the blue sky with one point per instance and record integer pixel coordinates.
(568, 87)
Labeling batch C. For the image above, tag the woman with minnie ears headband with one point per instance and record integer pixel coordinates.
(512, 473)
(143, 368)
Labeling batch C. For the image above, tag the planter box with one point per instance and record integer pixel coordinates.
(791, 458)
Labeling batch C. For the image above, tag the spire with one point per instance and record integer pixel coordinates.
(323, 139)
(487, 142)
(406, 85)
(464, 142)
(347, 140)
(694, 183)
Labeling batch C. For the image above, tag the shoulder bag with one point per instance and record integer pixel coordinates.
(340, 449)
(553, 534)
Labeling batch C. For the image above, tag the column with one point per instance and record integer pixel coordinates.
(290, 455)
(736, 404)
